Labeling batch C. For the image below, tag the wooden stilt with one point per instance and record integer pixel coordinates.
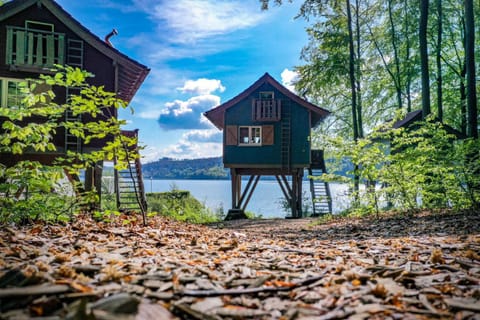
(294, 203)
(249, 192)
(236, 212)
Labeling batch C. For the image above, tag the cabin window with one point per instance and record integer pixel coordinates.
(265, 95)
(250, 136)
(39, 26)
(11, 93)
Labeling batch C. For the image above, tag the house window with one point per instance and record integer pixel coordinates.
(11, 93)
(250, 136)
(39, 26)
(265, 95)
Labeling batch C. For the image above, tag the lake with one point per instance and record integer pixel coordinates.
(266, 200)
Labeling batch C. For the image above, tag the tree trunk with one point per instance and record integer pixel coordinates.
(472, 126)
(397, 78)
(351, 64)
(463, 101)
(358, 76)
(408, 84)
(439, 62)
(422, 34)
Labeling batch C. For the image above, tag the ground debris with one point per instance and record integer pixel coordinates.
(422, 266)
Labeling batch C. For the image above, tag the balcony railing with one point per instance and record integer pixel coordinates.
(266, 110)
(34, 48)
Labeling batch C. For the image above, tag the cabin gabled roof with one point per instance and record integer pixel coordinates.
(417, 115)
(217, 114)
(131, 73)
(409, 118)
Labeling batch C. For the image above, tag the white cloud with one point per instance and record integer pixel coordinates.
(150, 114)
(289, 78)
(209, 135)
(188, 114)
(202, 86)
(191, 145)
(151, 153)
(192, 20)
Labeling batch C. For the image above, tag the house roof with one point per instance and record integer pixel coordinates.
(216, 115)
(414, 116)
(131, 73)
(409, 118)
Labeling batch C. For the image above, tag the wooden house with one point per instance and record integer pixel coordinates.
(266, 131)
(37, 34)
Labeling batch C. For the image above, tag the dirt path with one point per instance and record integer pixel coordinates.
(422, 266)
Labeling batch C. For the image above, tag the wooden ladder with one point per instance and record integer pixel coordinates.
(320, 190)
(286, 132)
(72, 142)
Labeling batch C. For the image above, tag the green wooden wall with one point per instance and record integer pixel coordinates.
(269, 155)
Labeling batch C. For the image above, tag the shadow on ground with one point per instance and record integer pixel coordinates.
(421, 224)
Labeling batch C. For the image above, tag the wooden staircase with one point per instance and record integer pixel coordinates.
(131, 193)
(320, 190)
(130, 189)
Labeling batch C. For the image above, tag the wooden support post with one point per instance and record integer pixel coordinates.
(236, 212)
(93, 181)
(98, 171)
(299, 177)
(248, 191)
(293, 203)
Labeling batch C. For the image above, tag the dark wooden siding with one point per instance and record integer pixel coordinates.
(94, 61)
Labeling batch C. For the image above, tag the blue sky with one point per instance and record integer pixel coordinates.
(201, 53)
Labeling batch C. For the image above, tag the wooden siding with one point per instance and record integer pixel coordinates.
(269, 153)
(93, 61)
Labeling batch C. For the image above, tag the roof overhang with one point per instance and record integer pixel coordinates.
(217, 114)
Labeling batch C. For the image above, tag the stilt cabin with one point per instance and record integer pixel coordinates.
(35, 35)
(266, 132)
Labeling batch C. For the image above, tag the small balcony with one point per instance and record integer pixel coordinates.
(34, 50)
(266, 110)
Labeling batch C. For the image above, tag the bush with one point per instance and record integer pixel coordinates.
(181, 206)
(423, 167)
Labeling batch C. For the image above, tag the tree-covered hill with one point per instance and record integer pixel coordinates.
(168, 168)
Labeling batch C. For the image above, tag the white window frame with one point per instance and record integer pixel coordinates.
(4, 91)
(253, 140)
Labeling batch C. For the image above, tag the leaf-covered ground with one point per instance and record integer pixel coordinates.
(398, 267)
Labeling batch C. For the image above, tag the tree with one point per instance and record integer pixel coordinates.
(472, 127)
(422, 35)
(19, 134)
(439, 60)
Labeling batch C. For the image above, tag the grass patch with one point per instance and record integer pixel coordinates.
(180, 205)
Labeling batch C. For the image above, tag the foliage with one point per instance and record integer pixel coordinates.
(26, 188)
(287, 206)
(181, 206)
(203, 168)
(409, 169)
